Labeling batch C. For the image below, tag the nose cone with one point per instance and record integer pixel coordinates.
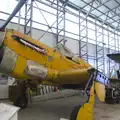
(2, 35)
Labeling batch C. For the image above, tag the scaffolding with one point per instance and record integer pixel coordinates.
(60, 21)
(99, 48)
(83, 46)
(28, 17)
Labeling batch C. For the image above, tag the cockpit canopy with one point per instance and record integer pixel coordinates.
(64, 51)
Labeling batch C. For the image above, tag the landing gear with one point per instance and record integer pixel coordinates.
(18, 94)
(85, 111)
(95, 85)
(21, 101)
(74, 113)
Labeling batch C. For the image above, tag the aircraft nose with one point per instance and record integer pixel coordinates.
(2, 35)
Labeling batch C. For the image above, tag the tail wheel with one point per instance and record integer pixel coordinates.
(74, 113)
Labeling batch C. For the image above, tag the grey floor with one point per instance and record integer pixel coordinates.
(49, 110)
(61, 108)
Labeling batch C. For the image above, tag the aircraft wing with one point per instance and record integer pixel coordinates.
(115, 57)
(63, 78)
(77, 76)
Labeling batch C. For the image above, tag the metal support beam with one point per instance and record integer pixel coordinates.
(17, 8)
(28, 18)
(61, 18)
(99, 49)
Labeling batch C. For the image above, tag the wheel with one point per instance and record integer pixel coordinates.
(21, 102)
(74, 113)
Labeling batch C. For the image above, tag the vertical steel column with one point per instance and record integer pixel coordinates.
(57, 36)
(19, 20)
(118, 42)
(112, 49)
(83, 50)
(86, 40)
(28, 17)
(80, 55)
(96, 44)
(83, 43)
(60, 20)
(99, 49)
(115, 49)
(64, 24)
(108, 52)
(117, 45)
(100, 57)
(103, 52)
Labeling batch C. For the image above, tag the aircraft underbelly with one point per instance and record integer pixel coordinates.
(79, 76)
(74, 76)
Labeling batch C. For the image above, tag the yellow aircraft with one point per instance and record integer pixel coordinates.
(31, 61)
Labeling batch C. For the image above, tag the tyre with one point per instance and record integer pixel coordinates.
(21, 102)
(74, 113)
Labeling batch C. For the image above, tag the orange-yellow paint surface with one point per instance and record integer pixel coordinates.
(86, 111)
(19, 68)
(100, 91)
(67, 71)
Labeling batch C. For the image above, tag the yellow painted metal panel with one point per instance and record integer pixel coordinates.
(19, 68)
(24, 51)
(86, 110)
(74, 76)
(61, 70)
(79, 76)
(100, 91)
(58, 62)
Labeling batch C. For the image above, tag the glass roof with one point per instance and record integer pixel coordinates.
(105, 11)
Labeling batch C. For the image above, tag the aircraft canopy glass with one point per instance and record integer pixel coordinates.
(64, 51)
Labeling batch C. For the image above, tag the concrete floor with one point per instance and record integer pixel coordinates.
(61, 108)
(107, 112)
